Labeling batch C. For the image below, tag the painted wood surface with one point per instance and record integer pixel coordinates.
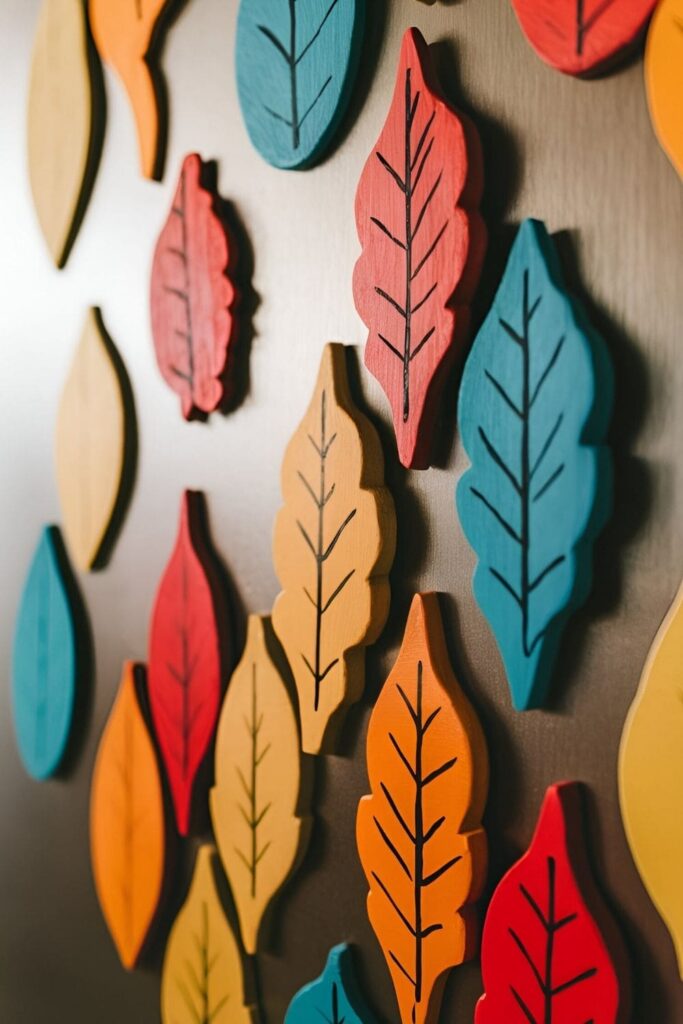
(664, 78)
(202, 979)
(423, 244)
(550, 948)
(185, 663)
(127, 837)
(192, 296)
(255, 804)
(534, 407)
(296, 67)
(651, 775)
(334, 544)
(65, 122)
(334, 997)
(419, 833)
(93, 443)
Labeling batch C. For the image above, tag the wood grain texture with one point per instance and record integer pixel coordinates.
(664, 78)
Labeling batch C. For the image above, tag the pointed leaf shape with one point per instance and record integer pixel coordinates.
(258, 777)
(419, 834)
(664, 78)
(127, 837)
(334, 997)
(423, 245)
(651, 775)
(64, 130)
(550, 949)
(45, 659)
(334, 544)
(185, 675)
(535, 401)
(93, 444)
(202, 978)
(192, 296)
(296, 67)
(582, 37)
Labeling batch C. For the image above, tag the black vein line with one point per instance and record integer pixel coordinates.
(179, 210)
(254, 814)
(583, 26)
(549, 482)
(544, 376)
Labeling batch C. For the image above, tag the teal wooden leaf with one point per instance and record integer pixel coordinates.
(296, 64)
(534, 407)
(334, 998)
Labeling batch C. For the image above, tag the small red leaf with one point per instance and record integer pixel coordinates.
(185, 678)
(423, 245)
(550, 950)
(192, 296)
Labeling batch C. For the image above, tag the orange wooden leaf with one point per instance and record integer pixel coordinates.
(419, 835)
(664, 78)
(127, 837)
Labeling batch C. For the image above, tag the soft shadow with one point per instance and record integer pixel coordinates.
(168, 16)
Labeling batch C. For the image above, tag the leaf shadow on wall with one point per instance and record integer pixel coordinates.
(168, 16)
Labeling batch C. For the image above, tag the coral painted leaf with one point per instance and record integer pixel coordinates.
(334, 997)
(423, 244)
(535, 402)
(664, 78)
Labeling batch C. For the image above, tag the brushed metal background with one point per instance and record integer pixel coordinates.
(581, 156)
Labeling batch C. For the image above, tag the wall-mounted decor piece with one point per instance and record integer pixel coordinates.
(582, 37)
(185, 657)
(334, 544)
(127, 837)
(651, 775)
(535, 404)
(65, 122)
(664, 78)
(550, 948)
(419, 833)
(47, 659)
(95, 446)
(255, 802)
(423, 245)
(202, 978)
(192, 295)
(334, 997)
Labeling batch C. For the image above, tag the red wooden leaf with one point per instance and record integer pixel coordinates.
(582, 36)
(423, 245)
(551, 953)
(192, 296)
(185, 677)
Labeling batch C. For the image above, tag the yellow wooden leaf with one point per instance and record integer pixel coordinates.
(664, 78)
(127, 838)
(334, 544)
(202, 978)
(258, 778)
(651, 775)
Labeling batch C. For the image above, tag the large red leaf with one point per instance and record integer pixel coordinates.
(551, 953)
(192, 296)
(423, 245)
(185, 677)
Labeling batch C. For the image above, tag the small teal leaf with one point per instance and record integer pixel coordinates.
(535, 403)
(334, 998)
(45, 660)
(296, 65)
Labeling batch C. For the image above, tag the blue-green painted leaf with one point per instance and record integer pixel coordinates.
(296, 64)
(334, 998)
(535, 403)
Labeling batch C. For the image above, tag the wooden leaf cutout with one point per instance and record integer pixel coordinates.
(334, 997)
(127, 837)
(423, 245)
(296, 67)
(535, 403)
(65, 123)
(185, 675)
(550, 949)
(419, 833)
(334, 544)
(192, 296)
(664, 78)
(47, 664)
(94, 445)
(202, 978)
(258, 778)
(126, 33)
(651, 775)
(581, 37)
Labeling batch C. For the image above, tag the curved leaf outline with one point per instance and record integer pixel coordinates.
(334, 997)
(664, 77)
